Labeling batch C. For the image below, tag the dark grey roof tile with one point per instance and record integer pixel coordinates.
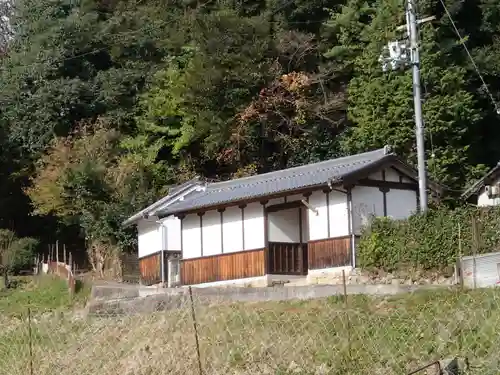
(291, 179)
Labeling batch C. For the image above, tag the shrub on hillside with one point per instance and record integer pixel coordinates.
(430, 241)
(15, 253)
(24, 250)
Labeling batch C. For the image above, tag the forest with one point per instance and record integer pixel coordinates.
(107, 103)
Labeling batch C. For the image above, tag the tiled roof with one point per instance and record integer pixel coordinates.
(173, 194)
(287, 180)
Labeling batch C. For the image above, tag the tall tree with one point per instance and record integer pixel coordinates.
(77, 60)
(84, 178)
(381, 104)
(70, 62)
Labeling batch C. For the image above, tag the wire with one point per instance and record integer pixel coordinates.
(462, 41)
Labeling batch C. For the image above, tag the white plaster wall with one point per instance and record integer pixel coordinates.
(284, 225)
(254, 226)
(366, 202)
(407, 180)
(172, 237)
(212, 241)
(149, 237)
(317, 223)
(191, 237)
(376, 176)
(391, 175)
(401, 203)
(339, 214)
(483, 199)
(233, 230)
(337, 211)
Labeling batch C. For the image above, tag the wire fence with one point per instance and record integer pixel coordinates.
(413, 333)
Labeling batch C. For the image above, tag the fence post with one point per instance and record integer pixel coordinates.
(30, 339)
(459, 265)
(344, 282)
(195, 327)
(475, 247)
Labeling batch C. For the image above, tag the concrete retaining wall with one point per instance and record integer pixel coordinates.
(109, 299)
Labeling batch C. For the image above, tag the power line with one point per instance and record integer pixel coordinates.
(462, 41)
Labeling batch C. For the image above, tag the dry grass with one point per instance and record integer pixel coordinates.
(370, 336)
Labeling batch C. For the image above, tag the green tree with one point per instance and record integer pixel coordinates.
(15, 253)
(197, 108)
(85, 178)
(381, 104)
(192, 102)
(71, 61)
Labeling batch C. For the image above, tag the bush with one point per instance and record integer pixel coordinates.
(15, 253)
(431, 241)
(24, 250)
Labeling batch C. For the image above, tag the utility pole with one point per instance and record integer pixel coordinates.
(417, 99)
(402, 54)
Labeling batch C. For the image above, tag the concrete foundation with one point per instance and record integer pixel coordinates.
(110, 300)
(329, 275)
(251, 282)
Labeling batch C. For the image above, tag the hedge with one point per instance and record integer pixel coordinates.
(429, 241)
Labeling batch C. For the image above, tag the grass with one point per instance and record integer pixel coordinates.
(368, 336)
(42, 294)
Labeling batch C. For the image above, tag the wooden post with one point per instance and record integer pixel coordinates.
(459, 261)
(64, 254)
(71, 262)
(348, 321)
(344, 283)
(475, 247)
(57, 251)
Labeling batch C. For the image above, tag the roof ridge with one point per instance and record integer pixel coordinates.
(263, 181)
(262, 176)
(311, 176)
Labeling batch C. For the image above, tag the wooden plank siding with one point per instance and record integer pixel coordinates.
(330, 252)
(150, 267)
(287, 258)
(223, 267)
